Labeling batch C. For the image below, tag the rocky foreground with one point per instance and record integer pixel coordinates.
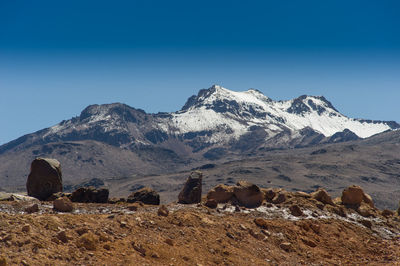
(287, 228)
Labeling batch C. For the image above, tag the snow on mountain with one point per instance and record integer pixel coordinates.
(214, 118)
(239, 110)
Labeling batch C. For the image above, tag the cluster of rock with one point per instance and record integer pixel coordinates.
(45, 183)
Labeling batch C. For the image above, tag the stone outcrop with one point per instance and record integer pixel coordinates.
(90, 195)
(145, 195)
(248, 194)
(322, 196)
(191, 191)
(45, 178)
(354, 196)
(221, 193)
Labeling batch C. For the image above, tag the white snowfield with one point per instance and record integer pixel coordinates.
(329, 122)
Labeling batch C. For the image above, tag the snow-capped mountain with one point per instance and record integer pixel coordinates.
(215, 118)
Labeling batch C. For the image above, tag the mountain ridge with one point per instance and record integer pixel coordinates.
(213, 116)
(127, 147)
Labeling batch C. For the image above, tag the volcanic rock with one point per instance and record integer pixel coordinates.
(387, 213)
(145, 195)
(211, 203)
(295, 210)
(279, 198)
(322, 196)
(45, 178)
(191, 191)
(90, 195)
(221, 193)
(32, 208)
(352, 195)
(63, 205)
(248, 194)
(163, 211)
(286, 246)
(57, 195)
(269, 194)
(368, 199)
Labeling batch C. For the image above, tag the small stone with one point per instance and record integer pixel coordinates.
(62, 236)
(163, 211)
(279, 198)
(81, 230)
(155, 255)
(387, 213)
(32, 208)
(269, 193)
(107, 247)
(286, 246)
(211, 203)
(123, 224)
(365, 210)
(169, 241)
(63, 205)
(309, 242)
(366, 223)
(295, 210)
(261, 223)
(24, 263)
(139, 248)
(26, 228)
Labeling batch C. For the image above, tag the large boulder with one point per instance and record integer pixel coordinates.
(45, 178)
(354, 195)
(145, 195)
(90, 195)
(248, 194)
(191, 191)
(221, 193)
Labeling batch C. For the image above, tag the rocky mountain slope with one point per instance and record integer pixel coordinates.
(127, 147)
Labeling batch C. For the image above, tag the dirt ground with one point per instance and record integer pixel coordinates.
(130, 234)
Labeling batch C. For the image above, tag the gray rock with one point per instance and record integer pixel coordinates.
(191, 191)
(145, 195)
(45, 178)
(90, 195)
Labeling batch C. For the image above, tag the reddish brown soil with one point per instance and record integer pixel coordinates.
(189, 235)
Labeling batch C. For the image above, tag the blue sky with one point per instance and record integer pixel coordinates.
(58, 57)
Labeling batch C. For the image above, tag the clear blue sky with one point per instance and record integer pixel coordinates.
(57, 57)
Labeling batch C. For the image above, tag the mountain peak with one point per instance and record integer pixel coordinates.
(217, 94)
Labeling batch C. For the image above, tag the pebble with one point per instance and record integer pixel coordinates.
(26, 228)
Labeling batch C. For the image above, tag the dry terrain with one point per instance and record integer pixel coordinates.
(134, 234)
